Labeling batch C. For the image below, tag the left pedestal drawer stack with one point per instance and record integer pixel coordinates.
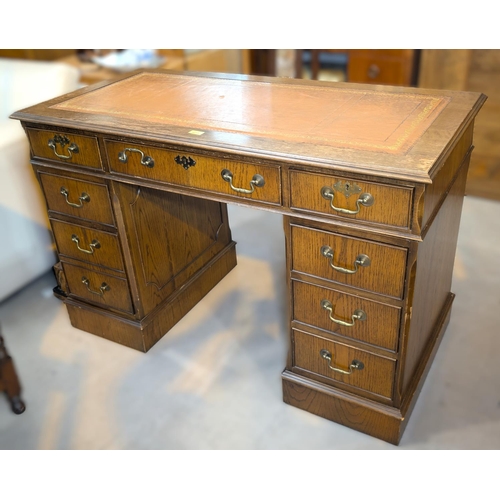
(87, 240)
(124, 272)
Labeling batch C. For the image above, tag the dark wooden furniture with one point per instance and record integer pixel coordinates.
(9, 381)
(377, 66)
(137, 174)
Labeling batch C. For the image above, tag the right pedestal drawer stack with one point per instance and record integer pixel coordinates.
(370, 298)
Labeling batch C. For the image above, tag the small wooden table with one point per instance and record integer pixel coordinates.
(370, 180)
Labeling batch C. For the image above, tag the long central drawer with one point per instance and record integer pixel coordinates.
(243, 180)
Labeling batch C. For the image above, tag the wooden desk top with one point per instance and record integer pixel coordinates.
(391, 131)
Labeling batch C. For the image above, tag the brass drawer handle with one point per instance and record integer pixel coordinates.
(355, 364)
(358, 315)
(83, 198)
(365, 199)
(257, 181)
(361, 260)
(63, 141)
(146, 160)
(93, 245)
(104, 287)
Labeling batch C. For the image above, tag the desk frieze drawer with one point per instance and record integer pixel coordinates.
(348, 315)
(233, 178)
(355, 262)
(77, 198)
(87, 244)
(99, 288)
(351, 199)
(342, 363)
(75, 149)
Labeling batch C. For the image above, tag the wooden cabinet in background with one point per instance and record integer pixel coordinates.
(377, 66)
(476, 70)
(382, 66)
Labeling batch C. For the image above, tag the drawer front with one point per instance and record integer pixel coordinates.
(78, 150)
(78, 198)
(86, 244)
(386, 71)
(376, 374)
(256, 182)
(337, 197)
(99, 288)
(347, 315)
(354, 262)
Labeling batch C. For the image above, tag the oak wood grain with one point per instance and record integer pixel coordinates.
(88, 154)
(144, 334)
(168, 248)
(391, 206)
(204, 172)
(385, 274)
(91, 196)
(380, 328)
(103, 289)
(107, 253)
(434, 271)
(377, 376)
(357, 413)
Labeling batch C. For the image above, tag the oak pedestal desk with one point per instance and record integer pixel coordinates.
(137, 172)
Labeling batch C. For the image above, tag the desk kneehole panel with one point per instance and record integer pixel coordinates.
(74, 149)
(338, 362)
(348, 315)
(87, 244)
(351, 199)
(97, 287)
(360, 263)
(78, 198)
(242, 180)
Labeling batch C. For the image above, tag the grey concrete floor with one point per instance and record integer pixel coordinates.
(214, 382)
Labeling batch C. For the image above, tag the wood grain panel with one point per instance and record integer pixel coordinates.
(108, 254)
(357, 413)
(392, 205)
(384, 275)
(377, 376)
(204, 174)
(435, 260)
(143, 334)
(115, 295)
(435, 192)
(168, 248)
(380, 328)
(97, 208)
(88, 150)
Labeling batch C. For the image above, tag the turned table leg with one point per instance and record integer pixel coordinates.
(9, 382)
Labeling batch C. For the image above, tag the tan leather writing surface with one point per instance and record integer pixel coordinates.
(340, 117)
